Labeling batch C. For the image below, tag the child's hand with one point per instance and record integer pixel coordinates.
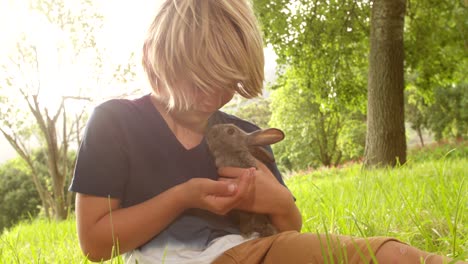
(218, 197)
(266, 196)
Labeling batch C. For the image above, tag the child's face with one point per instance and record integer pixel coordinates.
(202, 105)
(202, 102)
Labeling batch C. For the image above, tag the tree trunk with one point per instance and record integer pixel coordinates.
(385, 140)
(48, 127)
(420, 135)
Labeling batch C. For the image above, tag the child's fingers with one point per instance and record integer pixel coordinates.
(223, 204)
(245, 184)
(222, 188)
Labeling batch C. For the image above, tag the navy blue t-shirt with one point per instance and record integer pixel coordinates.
(129, 153)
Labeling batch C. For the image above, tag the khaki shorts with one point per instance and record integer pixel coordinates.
(294, 247)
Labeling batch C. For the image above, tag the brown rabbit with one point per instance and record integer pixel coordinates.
(233, 147)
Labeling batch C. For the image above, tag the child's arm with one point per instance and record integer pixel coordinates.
(287, 215)
(268, 197)
(133, 226)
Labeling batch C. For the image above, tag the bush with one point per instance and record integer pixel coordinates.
(448, 115)
(352, 139)
(19, 199)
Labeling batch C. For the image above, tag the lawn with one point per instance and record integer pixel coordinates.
(423, 203)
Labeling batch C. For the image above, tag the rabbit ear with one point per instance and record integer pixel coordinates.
(261, 154)
(265, 137)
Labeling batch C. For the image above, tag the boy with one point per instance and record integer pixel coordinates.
(146, 185)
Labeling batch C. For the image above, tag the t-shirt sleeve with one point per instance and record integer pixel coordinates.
(101, 168)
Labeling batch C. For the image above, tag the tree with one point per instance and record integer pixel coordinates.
(311, 139)
(320, 46)
(321, 137)
(436, 59)
(385, 141)
(26, 121)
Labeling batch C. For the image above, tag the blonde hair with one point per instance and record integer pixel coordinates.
(213, 44)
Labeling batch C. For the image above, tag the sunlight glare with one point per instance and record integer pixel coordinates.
(59, 74)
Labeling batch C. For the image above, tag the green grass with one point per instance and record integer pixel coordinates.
(454, 149)
(423, 203)
(41, 241)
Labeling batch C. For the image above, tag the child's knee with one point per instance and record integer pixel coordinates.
(397, 252)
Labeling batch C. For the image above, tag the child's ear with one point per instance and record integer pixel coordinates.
(261, 154)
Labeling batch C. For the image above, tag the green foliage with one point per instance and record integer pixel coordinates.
(19, 199)
(300, 30)
(256, 111)
(416, 108)
(352, 139)
(435, 39)
(322, 48)
(322, 43)
(322, 76)
(317, 131)
(436, 63)
(447, 117)
(291, 112)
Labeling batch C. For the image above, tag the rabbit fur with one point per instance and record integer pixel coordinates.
(232, 147)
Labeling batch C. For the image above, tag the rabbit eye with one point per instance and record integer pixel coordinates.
(230, 131)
